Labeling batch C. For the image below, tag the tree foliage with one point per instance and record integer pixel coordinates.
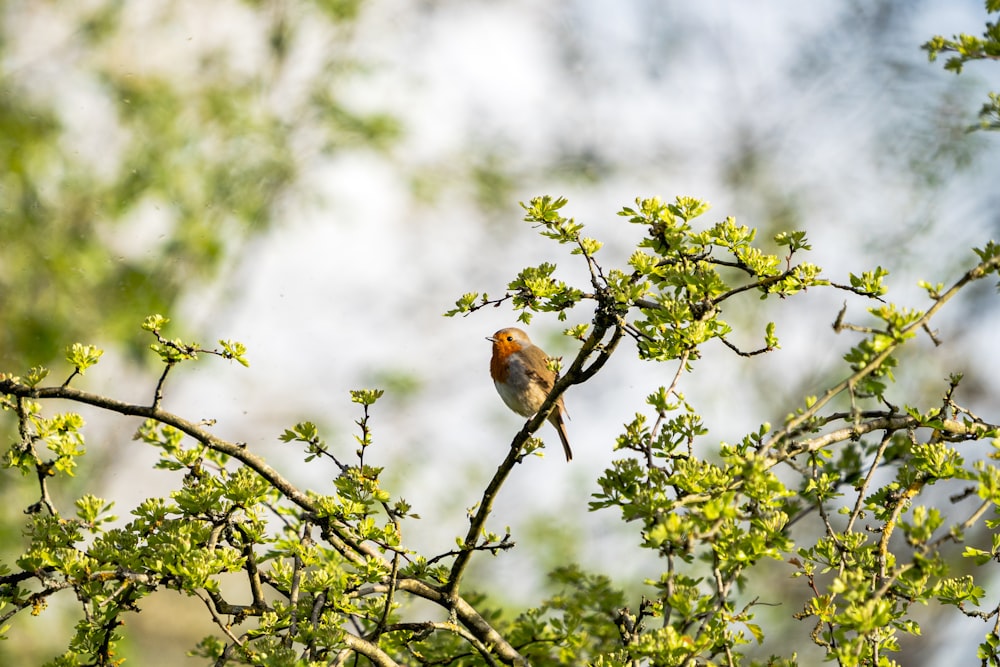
(113, 204)
(328, 575)
(864, 490)
(963, 49)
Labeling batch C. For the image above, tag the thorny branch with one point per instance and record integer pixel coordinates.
(334, 532)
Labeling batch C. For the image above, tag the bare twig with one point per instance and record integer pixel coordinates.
(863, 489)
(218, 621)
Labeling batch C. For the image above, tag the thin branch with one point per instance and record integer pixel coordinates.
(318, 605)
(858, 291)
(224, 607)
(762, 283)
(293, 600)
(389, 595)
(371, 651)
(976, 515)
(428, 626)
(76, 371)
(820, 507)
(975, 273)
(574, 375)
(863, 489)
(469, 617)
(951, 427)
(493, 547)
(496, 303)
(251, 568)
(9, 386)
(218, 621)
(590, 371)
(43, 470)
(33, 599)
(932, 335)
(661, 416)
(752, 353)
(158, 393)
(357, 646)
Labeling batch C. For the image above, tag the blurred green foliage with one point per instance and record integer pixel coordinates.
(153, 153)
(962, 49)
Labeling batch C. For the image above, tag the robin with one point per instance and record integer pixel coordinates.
(523, 379)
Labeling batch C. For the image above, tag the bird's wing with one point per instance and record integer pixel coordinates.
(538, 368)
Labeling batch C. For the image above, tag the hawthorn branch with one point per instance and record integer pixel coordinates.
(43, 470)
(950, 428)
(293, 600)
(954, 430)
(239, 610)
(863, 489)
(743, 353)
(493, 547)
(575, 375)
(371, 651)
(389, 596)
(469, 617)
(426, 627)
(761, 283)
(210, 605)
(334, 532)
(256, 463)
(158, 392)
(977, 272)
(858, 291)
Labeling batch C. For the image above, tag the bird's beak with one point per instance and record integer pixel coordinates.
(491, 339)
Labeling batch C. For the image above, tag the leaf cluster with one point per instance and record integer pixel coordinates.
(963, 49)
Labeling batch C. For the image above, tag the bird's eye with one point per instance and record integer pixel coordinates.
(510, 339)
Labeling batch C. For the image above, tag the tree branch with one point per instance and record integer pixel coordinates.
(977, 272)
(332, 531)
(371, 651)
(574, 375)
(469, 617)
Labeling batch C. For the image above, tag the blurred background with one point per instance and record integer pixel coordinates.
(321, 179)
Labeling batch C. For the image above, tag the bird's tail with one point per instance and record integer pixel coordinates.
(557, 421)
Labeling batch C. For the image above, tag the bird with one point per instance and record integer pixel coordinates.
(523, 380)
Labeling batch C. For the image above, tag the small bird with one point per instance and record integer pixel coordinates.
(523, 379)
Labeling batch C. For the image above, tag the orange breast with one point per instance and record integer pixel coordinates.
(499, 368)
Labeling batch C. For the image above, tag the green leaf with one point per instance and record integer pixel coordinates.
(366, 396)
(464, 304)
(83, 357)
(89, 511)
(154, 323)
(588, 246)
(770, 339)
(870, 282)
(234, 350)
(794, 241)
(36, 375)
